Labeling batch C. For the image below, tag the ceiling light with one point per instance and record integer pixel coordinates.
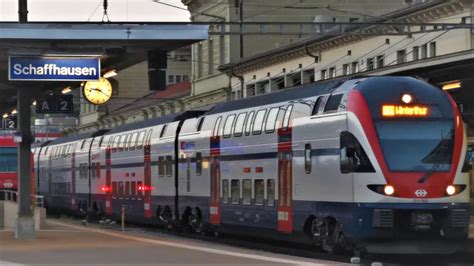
(34, 103)
(14, 112)
(66, 90)
(110, 74)
(452, 85)
(5, 115)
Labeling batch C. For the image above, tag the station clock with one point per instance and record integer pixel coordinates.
(98, 92)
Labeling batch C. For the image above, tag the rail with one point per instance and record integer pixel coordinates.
(10, 195)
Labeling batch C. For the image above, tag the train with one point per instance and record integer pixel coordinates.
(337, 163)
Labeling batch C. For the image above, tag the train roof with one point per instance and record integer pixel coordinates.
(297, 92)
(76, 137)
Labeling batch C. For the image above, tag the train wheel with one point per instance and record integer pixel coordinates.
(328, 235)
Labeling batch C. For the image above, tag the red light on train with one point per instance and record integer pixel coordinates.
(404, 111)
(145, 188)
(259, 169)
(246, 169)
(106, 189)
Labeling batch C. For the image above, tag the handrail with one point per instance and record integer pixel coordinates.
(11, 195)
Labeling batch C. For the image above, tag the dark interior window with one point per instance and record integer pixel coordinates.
(333, 103)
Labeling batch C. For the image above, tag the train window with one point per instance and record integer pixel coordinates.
(169, 166)
(352, 156)
(133, 188)
(215, 131)
(139, 192)
(161, 167)
(258, 122)
(122, 142)
(199, 124)
(225, 191)
(82, 144)
(148, 137)
(120, 188)
(115, 143)
(271, 120)
(93, 166)
(100, 141)
(271, 192)
(307, 158)
(248, 123)
(229, 122)
(114, 188)
(188, 174)
(133, 141)
(235, 191)
(127, 188)
(247, 192)
(97, 170)
(259, 191)
(319, 103)
(198, 164)
(286, 118)
(163, 130)
(239, 124)
(333, 103)
(141, 137)
(46, 150)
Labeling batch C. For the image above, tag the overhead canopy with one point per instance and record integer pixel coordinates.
(118, 45)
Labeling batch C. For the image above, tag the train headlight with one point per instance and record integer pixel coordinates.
(388, 190)
(407, 98)
(451, 190)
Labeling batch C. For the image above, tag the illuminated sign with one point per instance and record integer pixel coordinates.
(405, 111)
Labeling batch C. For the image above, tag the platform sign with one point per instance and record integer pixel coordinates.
(53, 68)
(8, 123)
(56, 104)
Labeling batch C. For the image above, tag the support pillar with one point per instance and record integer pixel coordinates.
(25, 225)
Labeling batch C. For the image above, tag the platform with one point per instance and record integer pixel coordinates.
(65, 242)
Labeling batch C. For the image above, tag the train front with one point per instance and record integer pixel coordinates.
(406, 150)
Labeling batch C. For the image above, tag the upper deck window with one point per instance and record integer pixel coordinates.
(258, 123)
(228, 125)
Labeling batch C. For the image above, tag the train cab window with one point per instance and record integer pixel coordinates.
(286, 118)
(229, 122)
(270, 192)
(163, 131)
(333, 103)
(307, 158)
(247, 191)
(133, 141)
(169, 166)
(248, 123)
(199, 124)
(161, 166)
(259, 191)
(133, 188)
(352, 155)
(127, 188)
(258, 123)
(235, 191)
(198, 164)
(141, 138)
(215, 131)
(114, 188)
(239, 124)
(139, 192)
(225, 191)
(271, 120)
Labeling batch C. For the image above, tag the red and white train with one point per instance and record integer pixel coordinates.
(339, 162)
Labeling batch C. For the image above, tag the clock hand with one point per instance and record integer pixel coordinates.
(96, 89)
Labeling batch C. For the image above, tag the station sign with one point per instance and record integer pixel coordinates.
(55, 104)
(21, 68)
(8, 123)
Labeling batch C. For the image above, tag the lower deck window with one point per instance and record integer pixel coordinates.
(247, 192)
(235, 191)
(259, 191)
(225, 191)
(271, 192)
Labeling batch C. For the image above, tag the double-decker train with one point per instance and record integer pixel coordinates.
(337, 162)
(8, 162)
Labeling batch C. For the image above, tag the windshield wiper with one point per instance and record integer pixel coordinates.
(428, 173)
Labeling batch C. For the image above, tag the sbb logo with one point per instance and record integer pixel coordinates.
(421, 193)
(7, 184)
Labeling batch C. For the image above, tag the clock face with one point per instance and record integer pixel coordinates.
(98, 92)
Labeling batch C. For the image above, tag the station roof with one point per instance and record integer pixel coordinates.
(119, 45)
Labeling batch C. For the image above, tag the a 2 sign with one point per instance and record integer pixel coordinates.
(56, 104)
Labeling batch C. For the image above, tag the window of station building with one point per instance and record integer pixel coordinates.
(346, 69)
(271, 120)
(170, 79)
(258, 123)
(114, 188)
(332, 72)
(370, 64)
(250, 89)
(432, 49)
(127, 188)
(333, 102)
(380, 61)
(133, 188)
(247, 191)
(307, 158)
(271, 192)
(416, 53)
(324, 74)
(248, 123)
(178, 78)
(401, 56)
(169, 166)
(259, 191)
(141, 138)
(354, 67)
(239, 124)
(424, 51)
(225, 191)
(235, 191)
(185, 77)
(198, 164)
(308, 76)
(286, 118)
(228, 126)
(161, 166)
(215, 132)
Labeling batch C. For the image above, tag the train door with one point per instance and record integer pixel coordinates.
(215, 191)
(285, 196)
